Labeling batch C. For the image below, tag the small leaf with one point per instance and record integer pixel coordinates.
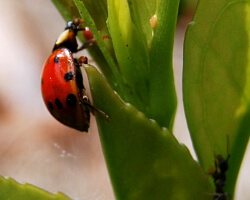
(12, 190)
(162, 93)
(131, 53)
(144, 160)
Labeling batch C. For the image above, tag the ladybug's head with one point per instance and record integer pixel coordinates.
(75, 25)
(67, 39)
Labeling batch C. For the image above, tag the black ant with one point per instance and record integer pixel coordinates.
(219, 177)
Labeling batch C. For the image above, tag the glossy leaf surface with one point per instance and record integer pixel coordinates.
(12, 190)
(144, 160)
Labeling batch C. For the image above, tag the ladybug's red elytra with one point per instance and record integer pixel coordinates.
(62, 82)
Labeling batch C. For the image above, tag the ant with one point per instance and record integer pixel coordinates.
(219, 177)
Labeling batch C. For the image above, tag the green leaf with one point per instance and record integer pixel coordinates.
(162, 89)
(11, 190)
(216, 82)
(144, 54)
(67, 9)
(144, 160)
(131, 53)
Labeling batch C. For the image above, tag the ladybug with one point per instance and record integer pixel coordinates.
(62, 86)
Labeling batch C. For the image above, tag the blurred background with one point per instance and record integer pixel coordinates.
(34, 147)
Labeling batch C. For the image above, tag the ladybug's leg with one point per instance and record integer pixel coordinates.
(81, 61)
(87, 44)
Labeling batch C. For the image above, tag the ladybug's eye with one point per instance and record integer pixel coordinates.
(70, 25)
(75, 25)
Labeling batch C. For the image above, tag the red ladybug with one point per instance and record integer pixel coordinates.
(62, 82)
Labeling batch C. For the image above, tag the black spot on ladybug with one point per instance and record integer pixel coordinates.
(56, 59)
(41, 81)
(68, 76)
(51, 107)
(58, 104)
(71, 100)
(79, 79)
